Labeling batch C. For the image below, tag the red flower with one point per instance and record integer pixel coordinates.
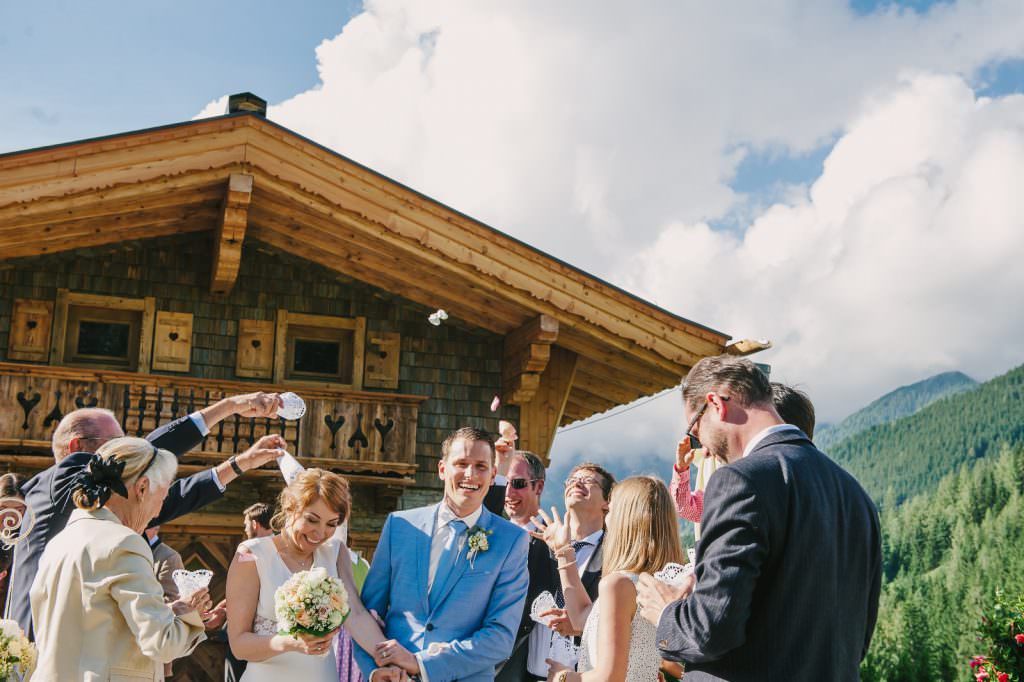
(1019, 638)
(976, 661)
(1003, 677)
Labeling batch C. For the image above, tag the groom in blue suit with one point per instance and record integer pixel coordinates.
(449, 580)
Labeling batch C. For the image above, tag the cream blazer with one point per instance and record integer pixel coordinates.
(98, 610)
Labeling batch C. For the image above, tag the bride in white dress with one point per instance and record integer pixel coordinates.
(311, 508)
(642, 536)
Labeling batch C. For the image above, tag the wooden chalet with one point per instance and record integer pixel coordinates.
(152, 272)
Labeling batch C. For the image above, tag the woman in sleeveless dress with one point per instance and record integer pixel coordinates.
(310, 509)
(642, 537)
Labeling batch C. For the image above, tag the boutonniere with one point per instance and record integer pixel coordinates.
(477, 543)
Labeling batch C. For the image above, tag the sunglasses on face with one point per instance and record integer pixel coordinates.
(584, 481)
(520, 483)
(694, 441)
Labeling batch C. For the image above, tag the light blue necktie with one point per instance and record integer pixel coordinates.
(448, 557)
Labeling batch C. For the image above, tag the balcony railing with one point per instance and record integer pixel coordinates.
(370, 436)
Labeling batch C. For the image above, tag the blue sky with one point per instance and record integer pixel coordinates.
(71, 70)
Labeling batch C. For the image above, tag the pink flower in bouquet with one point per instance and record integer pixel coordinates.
(976, 661)
(981, 676)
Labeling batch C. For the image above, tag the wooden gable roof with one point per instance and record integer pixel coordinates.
(245, 177)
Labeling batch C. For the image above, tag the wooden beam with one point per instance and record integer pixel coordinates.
(542, 415)
(227, 242)
(527, 352)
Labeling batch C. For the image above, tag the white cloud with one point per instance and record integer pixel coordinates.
(607, 134)
(902, 260)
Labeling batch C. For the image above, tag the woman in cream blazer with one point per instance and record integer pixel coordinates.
(97, 607)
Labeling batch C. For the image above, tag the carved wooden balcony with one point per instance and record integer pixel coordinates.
(371, 437)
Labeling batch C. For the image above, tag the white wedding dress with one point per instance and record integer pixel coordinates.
(273, 573)
(644, 661)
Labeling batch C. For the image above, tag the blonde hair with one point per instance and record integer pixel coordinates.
(141, 459)
(643, 534)
(80, 424)
(309, 486)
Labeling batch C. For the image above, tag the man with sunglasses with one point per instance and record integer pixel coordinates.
(788, 568)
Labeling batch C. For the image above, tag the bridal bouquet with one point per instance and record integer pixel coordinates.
(17, 654)
(311, 603)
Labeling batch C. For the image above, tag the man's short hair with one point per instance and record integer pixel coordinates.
(261, 513)
(607, 478)
(470, 434)
(80, 424)
(533, 463)
(794, 407)
(739, 377)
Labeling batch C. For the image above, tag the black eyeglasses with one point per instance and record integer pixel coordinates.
(694, 441)
(520, 483)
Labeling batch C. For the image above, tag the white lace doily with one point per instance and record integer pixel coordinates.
(542, 603)
(190, 581)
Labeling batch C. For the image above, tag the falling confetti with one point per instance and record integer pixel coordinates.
(495, 404)
(436, 318)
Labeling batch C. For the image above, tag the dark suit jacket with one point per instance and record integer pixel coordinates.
(48, 497)
(788, 571)
(543, 568)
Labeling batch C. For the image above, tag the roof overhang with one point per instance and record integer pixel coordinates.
(244, 177)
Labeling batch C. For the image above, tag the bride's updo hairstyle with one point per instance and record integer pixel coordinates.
(643, 534)
(307, 487)
(117, 465)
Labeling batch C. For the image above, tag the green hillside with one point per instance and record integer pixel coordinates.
(904, 401)
(945, 555)
(909, 456)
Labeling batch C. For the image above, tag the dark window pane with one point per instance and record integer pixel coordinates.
(320, 357)
(107, 339)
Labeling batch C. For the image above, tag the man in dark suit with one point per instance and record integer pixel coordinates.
(48, 493)
(587, 493)
(788, 567)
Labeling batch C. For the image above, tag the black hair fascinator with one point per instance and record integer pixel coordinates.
(100, 478)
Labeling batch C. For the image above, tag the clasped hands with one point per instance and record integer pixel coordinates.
(396, 662)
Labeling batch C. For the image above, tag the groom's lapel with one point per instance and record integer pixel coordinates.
(426, 524)
(484, 522)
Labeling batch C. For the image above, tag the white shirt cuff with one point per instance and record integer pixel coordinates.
(200, 423)
(423, 670)
(500, 480)
(216, 480)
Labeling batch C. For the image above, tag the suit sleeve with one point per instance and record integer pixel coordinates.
(187, 495)
(165, 570)
(876, 582)
(495, 500)
(493, 642)
(179, 436)
(376, 592)
(160, 634)
(733, 547)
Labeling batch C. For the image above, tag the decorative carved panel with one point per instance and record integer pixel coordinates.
(383, 355)
(31, 322)
(255, 357)
(172, 342)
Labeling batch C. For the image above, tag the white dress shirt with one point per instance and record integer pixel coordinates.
(541, 635)
(764, 434)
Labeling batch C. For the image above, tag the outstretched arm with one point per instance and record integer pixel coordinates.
(360, 623)
(376, 594)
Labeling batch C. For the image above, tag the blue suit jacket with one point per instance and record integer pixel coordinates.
(479, 608)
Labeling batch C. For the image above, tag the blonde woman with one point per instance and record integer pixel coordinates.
(310, 509)
(642, 536)
(97, 607)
